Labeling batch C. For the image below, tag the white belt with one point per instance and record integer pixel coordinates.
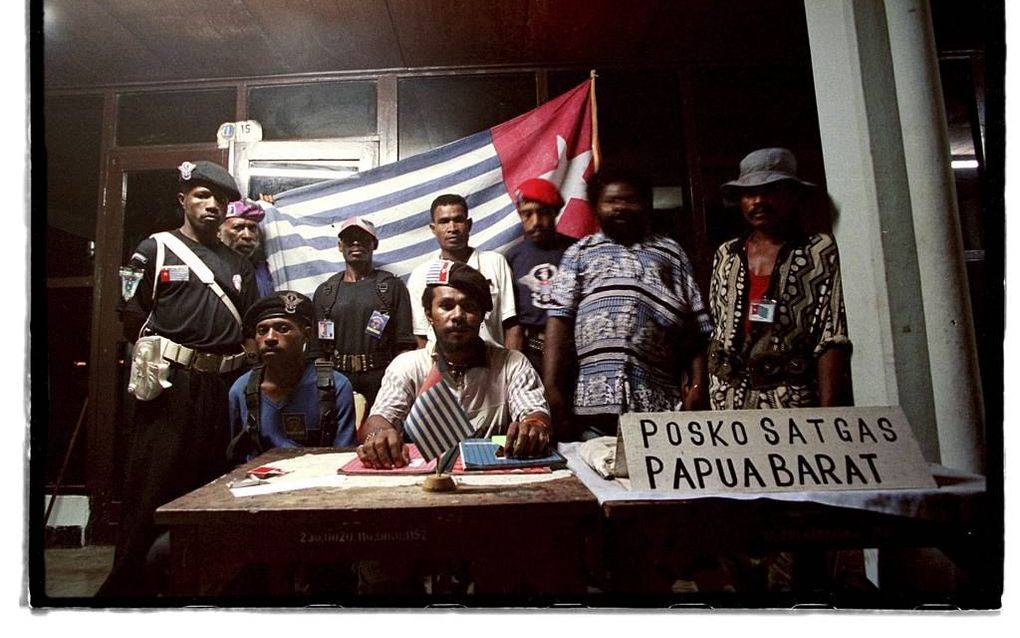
(192, 359)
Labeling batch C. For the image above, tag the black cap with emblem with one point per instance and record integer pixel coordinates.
(284, 303)
(210, 173)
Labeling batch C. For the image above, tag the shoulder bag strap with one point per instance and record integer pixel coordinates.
(201, 269)
(379, 291)
(327, 402)
(249, 439)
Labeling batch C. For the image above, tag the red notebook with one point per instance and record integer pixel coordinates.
(416, 466)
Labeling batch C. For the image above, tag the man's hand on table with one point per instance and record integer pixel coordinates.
(383, 449)
(529, 437)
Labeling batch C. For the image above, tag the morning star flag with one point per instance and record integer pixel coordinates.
(436, 421)
(553, 141)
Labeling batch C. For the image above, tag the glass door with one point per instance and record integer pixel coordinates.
(140, 199)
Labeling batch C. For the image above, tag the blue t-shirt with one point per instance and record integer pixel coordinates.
(534, 267)
(300, 411)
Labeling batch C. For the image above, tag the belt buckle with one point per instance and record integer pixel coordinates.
(358, 363)
(206, 362)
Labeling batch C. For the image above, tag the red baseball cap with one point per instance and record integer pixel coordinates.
(358, 222)
(539, 190)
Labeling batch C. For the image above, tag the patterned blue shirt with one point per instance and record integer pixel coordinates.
(636, 310)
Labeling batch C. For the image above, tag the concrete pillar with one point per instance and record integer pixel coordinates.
(959, 408)
(867, 178)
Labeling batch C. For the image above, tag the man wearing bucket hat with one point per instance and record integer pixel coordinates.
(363, 313)
(780, 335)
(184, 293)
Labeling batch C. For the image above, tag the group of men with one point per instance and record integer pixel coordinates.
(551, 341)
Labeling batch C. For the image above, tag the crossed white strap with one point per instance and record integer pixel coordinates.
(198, 266)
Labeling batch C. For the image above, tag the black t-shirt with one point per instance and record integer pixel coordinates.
(188, 311)
(350, 306)
(534, 268)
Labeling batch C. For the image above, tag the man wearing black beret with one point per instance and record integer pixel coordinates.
(287, 400)
(183, 295)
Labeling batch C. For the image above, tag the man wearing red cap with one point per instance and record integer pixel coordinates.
(363, 314)
(535, 260)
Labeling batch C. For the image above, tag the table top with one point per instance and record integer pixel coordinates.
(214, 503)
(959, 495)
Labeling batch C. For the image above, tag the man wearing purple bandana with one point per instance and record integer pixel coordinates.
(241, 232)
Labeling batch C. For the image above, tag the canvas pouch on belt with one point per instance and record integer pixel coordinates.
(150, 372)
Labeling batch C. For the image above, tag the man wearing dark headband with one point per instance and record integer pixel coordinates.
(498, 389)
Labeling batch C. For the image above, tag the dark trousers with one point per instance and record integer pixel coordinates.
(179, 443)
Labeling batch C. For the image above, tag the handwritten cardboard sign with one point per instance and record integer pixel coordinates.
(806, 449)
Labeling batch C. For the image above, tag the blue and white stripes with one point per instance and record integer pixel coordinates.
(436, 422)
(301, 228)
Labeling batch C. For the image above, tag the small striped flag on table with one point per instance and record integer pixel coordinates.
(436, 421)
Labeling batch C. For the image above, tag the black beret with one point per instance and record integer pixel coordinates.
(464, 278)
(210, 173)
(284, 303)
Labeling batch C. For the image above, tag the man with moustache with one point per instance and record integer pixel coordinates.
(498, 390)
(535, 260)
(780, 337)
(780, 334)
(452, 229)
(185, 292)
(626, 299)
(363, 313)
(241, 232)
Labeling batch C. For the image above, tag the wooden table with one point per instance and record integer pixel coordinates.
(543, 527)
(648, 539)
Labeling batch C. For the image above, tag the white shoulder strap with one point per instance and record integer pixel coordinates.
(198, 266)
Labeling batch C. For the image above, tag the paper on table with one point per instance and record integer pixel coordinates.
(303, 472)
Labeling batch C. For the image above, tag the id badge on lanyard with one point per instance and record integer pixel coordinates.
(762, 311)
(376, 324)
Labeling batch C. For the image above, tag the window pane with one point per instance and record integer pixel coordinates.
(314, 111)
(73, 135)
(436, 110)
(639, 119)
(186, 117)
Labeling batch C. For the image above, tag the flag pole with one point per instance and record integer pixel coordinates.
(596, 151)
(440, 481)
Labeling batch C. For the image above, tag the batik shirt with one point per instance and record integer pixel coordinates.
(637, 315)
(775, 366)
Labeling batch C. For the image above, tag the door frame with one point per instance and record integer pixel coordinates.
(106, 358)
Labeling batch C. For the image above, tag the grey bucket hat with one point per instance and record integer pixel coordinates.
(760, 167)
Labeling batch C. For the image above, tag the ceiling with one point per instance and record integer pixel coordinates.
(89, 43)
